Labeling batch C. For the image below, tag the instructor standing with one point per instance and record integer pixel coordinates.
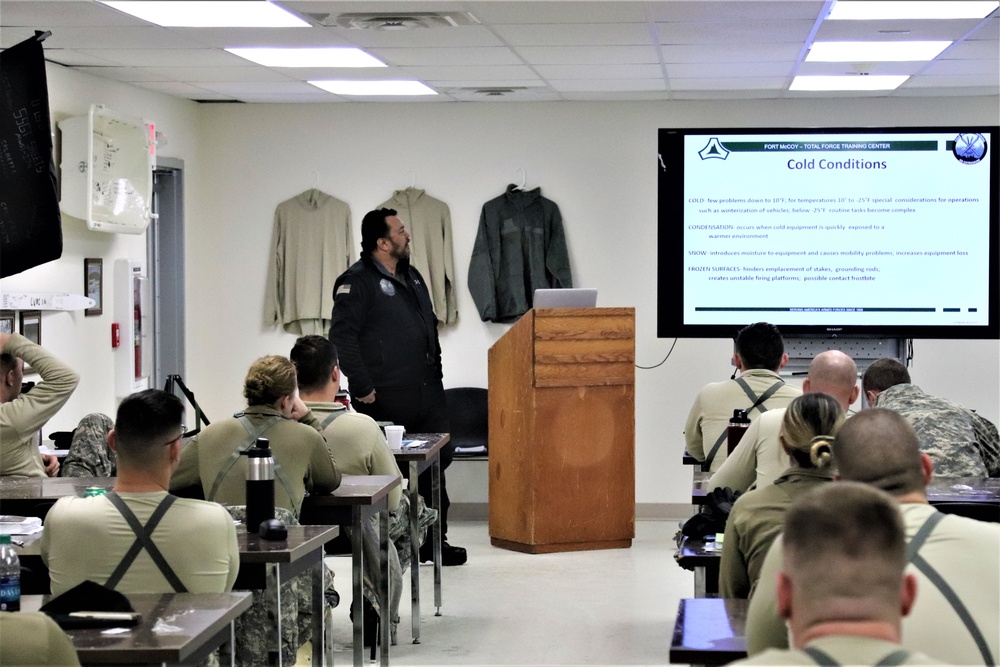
(384, 327)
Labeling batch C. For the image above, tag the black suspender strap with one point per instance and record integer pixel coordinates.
(143, 540)
(758, 404)
(228, 464)
(820, 657)
(330, 417)
(925, 568)
(895, 658)
(759, 401)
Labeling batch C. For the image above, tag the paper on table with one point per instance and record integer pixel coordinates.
(413, 444)
(19, 525)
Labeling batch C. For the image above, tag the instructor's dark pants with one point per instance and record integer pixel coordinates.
(420, 409)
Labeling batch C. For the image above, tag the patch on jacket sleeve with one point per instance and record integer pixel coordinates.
(344, 289)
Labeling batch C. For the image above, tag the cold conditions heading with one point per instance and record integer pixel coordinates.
(838, 164)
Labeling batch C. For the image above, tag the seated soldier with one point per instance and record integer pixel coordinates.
(956, 560)
(759, 354)
(303, 463)
(841, 587)
(21, 415)
(29, 638)
(360, 449)
(187, 545)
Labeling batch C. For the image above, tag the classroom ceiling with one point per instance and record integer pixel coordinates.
(522, 50)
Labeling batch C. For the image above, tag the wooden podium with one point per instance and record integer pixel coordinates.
(562, 431)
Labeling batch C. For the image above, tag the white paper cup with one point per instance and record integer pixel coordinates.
(394, 436)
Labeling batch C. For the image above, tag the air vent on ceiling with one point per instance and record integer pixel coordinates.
(488, 91)
(395, 20)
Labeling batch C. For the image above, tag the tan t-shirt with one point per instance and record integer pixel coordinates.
(32, 638)
(85, 538)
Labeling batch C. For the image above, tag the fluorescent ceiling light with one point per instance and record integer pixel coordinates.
(209, 13)
(874, 10)
(323, 57)
(375, 87)
(846, 52)
(871, 82)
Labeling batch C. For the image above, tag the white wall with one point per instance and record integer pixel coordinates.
(596, 160)
(85, 342)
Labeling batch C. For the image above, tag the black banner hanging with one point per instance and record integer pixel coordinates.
(30, 224)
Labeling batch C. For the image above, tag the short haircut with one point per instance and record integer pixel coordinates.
(833, 372)
(879, 447)
(145, 423)
(760, 346)
(8, 362)
(808, 428)
(845, 541)
(884, 373)
(269, 379)
(314, 358)
(374, 227)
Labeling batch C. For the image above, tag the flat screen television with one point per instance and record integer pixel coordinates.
(874, 232)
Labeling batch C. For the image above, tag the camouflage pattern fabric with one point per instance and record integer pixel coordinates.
(399, 527)
(256, 627)
(89, 454)
(960, 442)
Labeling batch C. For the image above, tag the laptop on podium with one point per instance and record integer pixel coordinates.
(570, 297)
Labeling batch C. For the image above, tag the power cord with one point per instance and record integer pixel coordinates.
(647, 368)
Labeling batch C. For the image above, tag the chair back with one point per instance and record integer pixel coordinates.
(978, 511)
(468, 411)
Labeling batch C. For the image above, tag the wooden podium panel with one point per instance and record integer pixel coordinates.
(562, 431)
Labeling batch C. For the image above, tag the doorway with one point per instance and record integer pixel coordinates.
(165, 259)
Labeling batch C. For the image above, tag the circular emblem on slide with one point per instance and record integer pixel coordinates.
(387, 287)
(969, 148)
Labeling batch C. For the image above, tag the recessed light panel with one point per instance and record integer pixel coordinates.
(875, 10)
(366, 88)
(828, 83)
(209, 13)
(324, 57)
(846, 52)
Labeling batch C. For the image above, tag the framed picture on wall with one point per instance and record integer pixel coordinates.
(31, 328)
(7, 323)
(93, 284)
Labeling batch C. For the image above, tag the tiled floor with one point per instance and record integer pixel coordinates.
(611, 607)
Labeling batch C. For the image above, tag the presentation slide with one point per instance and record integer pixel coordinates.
(852, 229)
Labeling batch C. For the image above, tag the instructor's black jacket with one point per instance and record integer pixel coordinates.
(384, 327)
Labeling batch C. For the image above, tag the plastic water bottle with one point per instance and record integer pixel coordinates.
(260, 485)
(10, 576)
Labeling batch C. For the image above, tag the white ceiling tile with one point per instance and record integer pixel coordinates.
(588, 55)
(727, 95)
(604, 34)
(951, 81)
(72, 58)
(731, 53)
(127, 74)
(498, 73)
(959, 91)
(168, 57)
(260, 75)
(272, 37)
(237, 88)
(737, 83)
(962, 67)
(600, 71)
(543, 95)
(11, 36)
(734, 10)
(451, 84)
(176, 88)
(621, 11)
(53, 14)
(605, 85)
(289, 98)
(615, 96)
(973, 50)
(989, 31)
(749, 32)
(345, 73)
(489, 55)
(151, 37)
(733, 69)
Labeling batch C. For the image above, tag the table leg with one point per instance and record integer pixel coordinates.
(232, 643)
(385, 624)
(318, 607)
(277, 597)
(438, 530)
(699, 582)
(357, 579)
(413, 494)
